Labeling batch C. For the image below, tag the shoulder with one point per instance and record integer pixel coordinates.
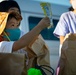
(6, 46)
(65, 14)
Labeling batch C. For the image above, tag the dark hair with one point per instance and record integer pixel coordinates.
(71, 9)
(15, 15)
(6, 5)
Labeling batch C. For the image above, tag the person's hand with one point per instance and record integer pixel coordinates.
(45, 22)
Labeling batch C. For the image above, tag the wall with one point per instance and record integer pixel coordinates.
(34, 5)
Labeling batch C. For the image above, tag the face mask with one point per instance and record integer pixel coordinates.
(13, 34)
(73, 3)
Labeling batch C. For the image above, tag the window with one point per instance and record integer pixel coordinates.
(46, 33)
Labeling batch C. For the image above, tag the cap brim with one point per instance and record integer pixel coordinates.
(3, 21)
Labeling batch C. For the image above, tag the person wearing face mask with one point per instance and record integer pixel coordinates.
(66, 24)
(10, 32)
(12, 6)
(15, 40)
(10, 28)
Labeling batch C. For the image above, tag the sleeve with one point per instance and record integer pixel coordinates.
(6, 47)
(62, 27)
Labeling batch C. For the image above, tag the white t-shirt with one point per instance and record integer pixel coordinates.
(6, 46)
(66, 24)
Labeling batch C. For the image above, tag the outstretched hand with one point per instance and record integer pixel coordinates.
(45, 22)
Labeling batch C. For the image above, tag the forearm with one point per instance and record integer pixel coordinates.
(61, 39)
(27, 38)
(30, 36)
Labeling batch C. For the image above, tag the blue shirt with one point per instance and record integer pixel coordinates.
(66, 24)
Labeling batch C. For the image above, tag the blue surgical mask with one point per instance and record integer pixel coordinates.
(13, 34)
